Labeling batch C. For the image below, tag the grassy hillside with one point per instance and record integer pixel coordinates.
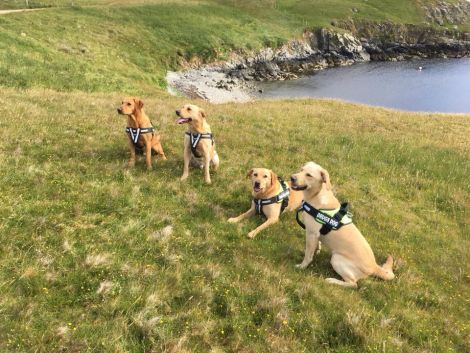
(87, 265)
(130, 45)
(21, 4)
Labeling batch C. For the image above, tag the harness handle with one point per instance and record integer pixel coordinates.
(297, 218)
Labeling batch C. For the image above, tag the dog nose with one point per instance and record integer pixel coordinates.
(257, 184)
(119, 110)
(178, 112)
(293, 179)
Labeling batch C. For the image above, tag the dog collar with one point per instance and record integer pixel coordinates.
(331, 219)
(283, 197)
(134, 133)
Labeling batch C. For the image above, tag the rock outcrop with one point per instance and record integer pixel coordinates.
(392, 42)
(442, 12)
(317, 50)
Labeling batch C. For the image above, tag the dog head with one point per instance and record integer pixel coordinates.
(190, 114)
(130, 106)
(262, 179)
(311, 177)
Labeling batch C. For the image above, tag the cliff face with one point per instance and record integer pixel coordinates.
(350, 42)
(363, 42)
(443, 12)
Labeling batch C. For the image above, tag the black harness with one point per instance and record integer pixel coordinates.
(195, 138)
(283, 197)
(329, 222)
(134, 133)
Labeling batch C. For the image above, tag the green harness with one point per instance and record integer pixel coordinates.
(330, 219)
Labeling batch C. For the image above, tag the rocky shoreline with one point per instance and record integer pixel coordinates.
(351, 42)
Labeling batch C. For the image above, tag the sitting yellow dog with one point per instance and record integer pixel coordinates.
(352, 257)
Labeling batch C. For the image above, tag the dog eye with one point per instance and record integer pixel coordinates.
(129, 104)
(308, 175)
(265, 176)
(256, 174)
(189, 108)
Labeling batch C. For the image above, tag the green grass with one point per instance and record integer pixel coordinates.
(96, 47)
(22, 4)
(85, 265)
(67, 201)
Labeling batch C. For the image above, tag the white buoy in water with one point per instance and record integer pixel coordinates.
(420, 68)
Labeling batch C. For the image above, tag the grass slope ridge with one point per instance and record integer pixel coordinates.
(96, 258)
(129, 46)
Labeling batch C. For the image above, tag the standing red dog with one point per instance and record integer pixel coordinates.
(141, 133)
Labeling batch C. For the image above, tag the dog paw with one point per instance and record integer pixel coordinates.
(232, 220)
(252, 234)
(301, 266)
(208, 182)
(184, 177)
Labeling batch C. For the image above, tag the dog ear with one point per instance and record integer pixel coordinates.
(273, 178)
(202, 112)
(138, 103)
(250, 173)
(325, 177)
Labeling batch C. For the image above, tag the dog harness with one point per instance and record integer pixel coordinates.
(135, 133)
(331, 219)
(282, 197)
(195, 138)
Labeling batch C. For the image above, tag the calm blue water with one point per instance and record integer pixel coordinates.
(442, 86)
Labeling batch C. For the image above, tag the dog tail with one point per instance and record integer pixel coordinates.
(385, 271)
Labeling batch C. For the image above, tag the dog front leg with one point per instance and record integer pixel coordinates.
(131, 162)
(265, 225)
(207, 164)
(187, 159)
(247, 214)
(311, 243)
(148, 155)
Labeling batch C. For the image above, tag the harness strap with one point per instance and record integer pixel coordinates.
(282, 196)
(135, 133)
(297, 218)
(329, 222)
(195, 138)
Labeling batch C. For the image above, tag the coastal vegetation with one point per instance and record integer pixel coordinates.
(108, 46)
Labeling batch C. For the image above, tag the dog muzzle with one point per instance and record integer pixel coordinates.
(298, 187)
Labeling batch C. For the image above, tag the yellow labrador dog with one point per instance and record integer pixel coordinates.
(142, 134)
(199, 145)
(324, 217)
(271, 195)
